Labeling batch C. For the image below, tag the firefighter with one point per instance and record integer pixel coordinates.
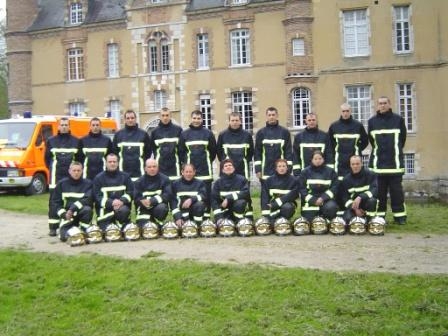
(387, 135)
(72, 202)
(61, 150)
(152, 195)
(197, 145)
(113, 191)
(272, 142)
(165, 145)
(132, 145)
(94, 148)
(308, 141)
(230, 194)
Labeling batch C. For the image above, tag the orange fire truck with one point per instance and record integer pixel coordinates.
(22, 149)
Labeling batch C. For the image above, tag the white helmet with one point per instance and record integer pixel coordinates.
(75, 237)
(357, 225)
(112, 233)
(337, 226)
(262, 226)
(208, 229)
(189, 229)
(94, 234)
(150, 230)
(301, 226)
(319, 225)
(131, 232)
(245, 227)
(282, 227)
(170, 230)
(226, 227)
(377, 226)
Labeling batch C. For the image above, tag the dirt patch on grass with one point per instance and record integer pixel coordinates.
(397, 253)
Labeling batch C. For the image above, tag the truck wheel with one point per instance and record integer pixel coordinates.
(37, 186)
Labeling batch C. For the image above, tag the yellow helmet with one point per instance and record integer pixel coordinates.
(337, 226)
(357, 225)
(150, 230)
(208, 229)
(377, 226)
(319, 225)
(282, 227)
(245, 227)
(262, 226)
(189, 229)
(75, 237)
(94, 234)
(170, 230)
(112, 233)
(131, 232)
(301, 226)
(226, 227)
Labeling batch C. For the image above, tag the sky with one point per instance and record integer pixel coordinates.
(2, 9)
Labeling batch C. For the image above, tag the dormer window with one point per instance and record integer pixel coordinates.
(76, 13)
(238, 2)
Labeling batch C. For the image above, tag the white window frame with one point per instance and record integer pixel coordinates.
(406, 104)
(240, 47)
(113, 60)
(239, 2)
(75, 66)
(76, 109)
(402, 28)
(160, 100)
(153, 62)
(202, 49)
(205, 106)
(76, 13)
(164, 55)
(298, 46)
(359, 97)
(301, 105)
(409, 164)
(356, 33)
(242, 103)
(115, 110)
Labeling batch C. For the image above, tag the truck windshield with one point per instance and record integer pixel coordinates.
(16, 135)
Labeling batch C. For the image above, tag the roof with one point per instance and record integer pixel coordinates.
(51, 13)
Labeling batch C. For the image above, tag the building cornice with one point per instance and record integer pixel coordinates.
(384, 68)
(304, 19)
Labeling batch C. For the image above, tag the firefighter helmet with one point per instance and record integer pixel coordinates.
(226, 227)
(301, 226)
(282, 226)
(208, 229)
(245, 227)
(170, 230)
(112, 233)
(189, 229)
(94, 234)
(75, 237)
(377, 226)
(357, 225)
(337, 226)
(319, 225)
(262, 226)
(131, 232)
(150, 230)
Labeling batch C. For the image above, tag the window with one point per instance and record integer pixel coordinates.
(301, 106)
(298, 47)
(356, 33)
(202, 41)
(165, 55)
(115, 111)
(152, 50)
(359, 98)
(240, 47)
(112, 60)
(242, 103)
(406, 104)
(75, 13)
(409, 163)
(157, 1)
(75, 64)
(205, 107)
(159, 100)
(402, 30)
(239, 2)
(76, 109)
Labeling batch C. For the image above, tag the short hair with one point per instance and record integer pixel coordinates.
(317, 152)
(384, 97)
(185, 165)
(196, 112)
(272, 108)
(76, 163)
(95, 119)
(164, 109)
(345, 106)
(112, 154)
(235, 114)
(280, 160)
(355, 156)
(64, 119)
(223, 162)
(130, 111)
